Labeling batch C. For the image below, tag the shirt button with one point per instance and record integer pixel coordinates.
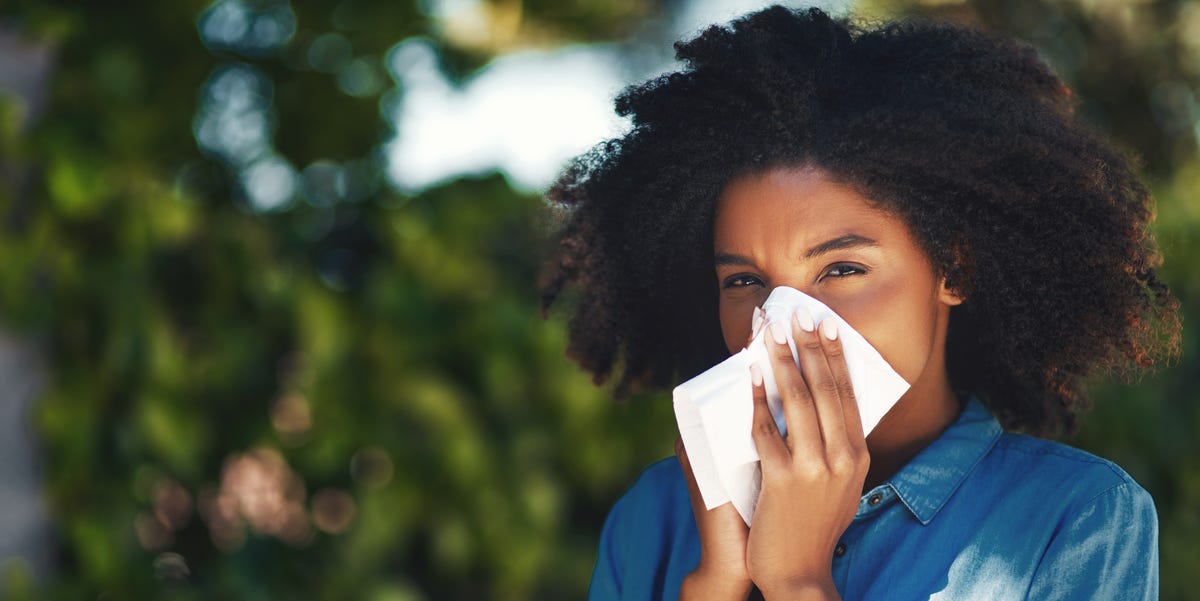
(874, 499)
(839, 550)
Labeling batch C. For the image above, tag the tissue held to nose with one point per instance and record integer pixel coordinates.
(714, 410)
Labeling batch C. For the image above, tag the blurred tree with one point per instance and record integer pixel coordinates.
(278, 382)
(274, 376)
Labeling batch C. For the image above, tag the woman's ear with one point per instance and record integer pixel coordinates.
(954, 286)
(950, 295)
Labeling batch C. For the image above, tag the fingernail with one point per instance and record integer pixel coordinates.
(757, 320)
(829, 328)
(755, 375)
(803, 318)
(778, 332)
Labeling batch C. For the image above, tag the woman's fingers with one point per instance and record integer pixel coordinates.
(771, 448)
(804, 434)
(832, 343)
(818, 396)
(813, 346)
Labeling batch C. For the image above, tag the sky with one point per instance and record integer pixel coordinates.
(527, 113)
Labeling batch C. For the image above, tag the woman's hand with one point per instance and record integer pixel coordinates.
(722, 572)
(812, 481)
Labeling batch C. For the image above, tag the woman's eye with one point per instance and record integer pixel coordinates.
(842, 270)
(741, 281)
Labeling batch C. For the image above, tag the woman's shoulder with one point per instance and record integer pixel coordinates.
(1014, 469)
(651, 511)
(665, 472)
(649, 540)
(1091, 518)
(1067, 468)
(1060, 489)
(659, 488)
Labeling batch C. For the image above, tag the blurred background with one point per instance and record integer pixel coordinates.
(268, 319)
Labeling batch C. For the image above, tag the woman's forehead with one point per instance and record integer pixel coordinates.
(800, 205)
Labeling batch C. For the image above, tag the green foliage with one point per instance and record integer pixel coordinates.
(383, 350)
(374, 370)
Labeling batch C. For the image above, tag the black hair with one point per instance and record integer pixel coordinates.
(968, 136)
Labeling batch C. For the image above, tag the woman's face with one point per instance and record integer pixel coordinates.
(794, 227)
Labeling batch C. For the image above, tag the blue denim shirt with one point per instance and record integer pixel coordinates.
(978, 514)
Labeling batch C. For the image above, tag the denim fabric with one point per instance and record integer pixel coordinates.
(978, 514)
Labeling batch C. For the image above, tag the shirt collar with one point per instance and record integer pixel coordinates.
(926, 482)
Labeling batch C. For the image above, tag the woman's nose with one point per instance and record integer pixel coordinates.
(798, 285)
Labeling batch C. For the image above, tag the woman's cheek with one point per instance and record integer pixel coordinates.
(902, 355)
(735, 327)
(888, 321)
(736, 311)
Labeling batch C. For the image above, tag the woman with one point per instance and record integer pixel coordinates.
(928, 183)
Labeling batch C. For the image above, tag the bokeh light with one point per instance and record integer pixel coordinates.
(253, 28)
(258, 491)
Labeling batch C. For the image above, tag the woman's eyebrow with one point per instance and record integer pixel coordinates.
(840, 243)
(723, 258)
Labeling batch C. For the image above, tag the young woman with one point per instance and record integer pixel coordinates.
(928, 183)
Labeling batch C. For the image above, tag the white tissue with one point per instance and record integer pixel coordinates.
(715, 409)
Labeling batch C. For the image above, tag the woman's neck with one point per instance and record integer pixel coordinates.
(917, 419)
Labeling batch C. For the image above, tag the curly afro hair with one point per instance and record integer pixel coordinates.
(968, 136)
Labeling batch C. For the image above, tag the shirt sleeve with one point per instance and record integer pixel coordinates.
(1107, 550)
(649, 541)
(606, 576)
